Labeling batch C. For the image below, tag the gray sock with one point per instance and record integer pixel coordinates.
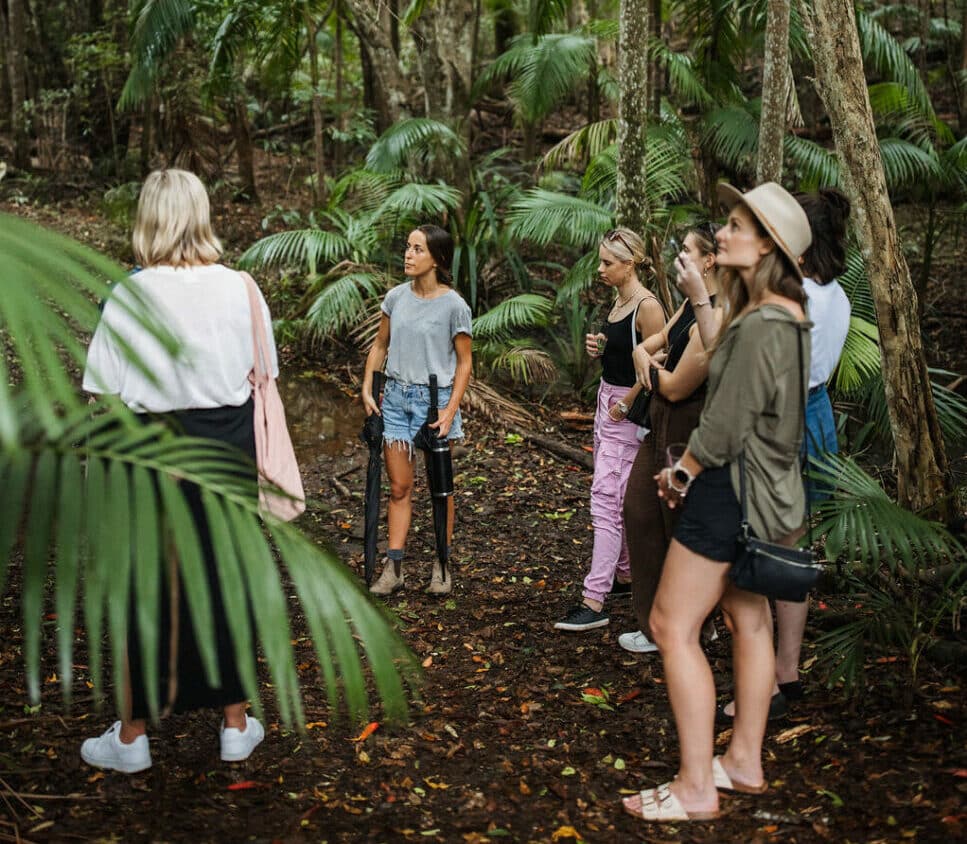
(396, 555)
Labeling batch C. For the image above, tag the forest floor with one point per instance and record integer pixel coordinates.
(519, 732)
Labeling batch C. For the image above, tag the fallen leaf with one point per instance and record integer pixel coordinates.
(427, 662)
(566, 832)
(368, 730)
(793, 733)
(314, 724)
(244, 785)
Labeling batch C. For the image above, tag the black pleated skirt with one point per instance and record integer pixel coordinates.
(182, 683)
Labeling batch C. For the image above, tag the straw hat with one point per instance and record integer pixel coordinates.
(780, 214)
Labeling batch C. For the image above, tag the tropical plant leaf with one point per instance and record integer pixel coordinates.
(543, 216)
(406, 138)
(527, 310)
(308, 248)
(158, 27)
(860, 358)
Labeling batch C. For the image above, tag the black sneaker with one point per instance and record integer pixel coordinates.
(582, 617)
(620, 590)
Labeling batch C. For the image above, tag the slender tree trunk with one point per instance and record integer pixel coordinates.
(337, 60)
(385, 84)
(655, 81)
(962, 78)
(243, 145)
(631, 206)
(17, 72)
(317, 127)
(772, 125)
(921, 461)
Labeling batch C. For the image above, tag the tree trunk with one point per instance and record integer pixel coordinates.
(319, 182)
(631, 207)
(772, 124)
(17, 73)
(444, 40)
(337, 60)
(962, 78)
(383, 77)
(655, 81)
(238, 118)
(922, 481)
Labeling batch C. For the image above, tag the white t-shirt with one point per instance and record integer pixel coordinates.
(206, 308)
(829, 310)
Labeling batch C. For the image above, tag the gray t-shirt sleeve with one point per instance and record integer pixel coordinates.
(460, 322)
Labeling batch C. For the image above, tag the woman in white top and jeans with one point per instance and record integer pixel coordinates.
(205, 392)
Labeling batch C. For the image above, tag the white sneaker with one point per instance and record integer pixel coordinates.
(637, 643)
(108, 751)
(238, 744)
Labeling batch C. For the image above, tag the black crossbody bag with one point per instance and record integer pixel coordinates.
(767, 568)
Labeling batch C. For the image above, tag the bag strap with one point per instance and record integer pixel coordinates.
(742, 494)
(260, 341)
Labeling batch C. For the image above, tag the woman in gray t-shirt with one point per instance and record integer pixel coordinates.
(425, 330)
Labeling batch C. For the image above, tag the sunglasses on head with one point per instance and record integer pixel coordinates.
(615, 235)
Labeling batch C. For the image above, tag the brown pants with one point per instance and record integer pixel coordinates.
(649, 524)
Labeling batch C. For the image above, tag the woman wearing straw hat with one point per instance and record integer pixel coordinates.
(754, 406)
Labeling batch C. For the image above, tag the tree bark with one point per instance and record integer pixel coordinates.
(312, 32)
(631, 206)
(238, 117)
(921, 462)
(383, 76)
(962, 78)
(772, 124)
(17, 73)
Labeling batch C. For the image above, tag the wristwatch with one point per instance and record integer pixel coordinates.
(681, 478)
(622, 406)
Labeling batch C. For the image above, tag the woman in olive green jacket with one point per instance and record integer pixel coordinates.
(754, 406)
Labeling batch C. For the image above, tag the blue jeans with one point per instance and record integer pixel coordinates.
(405, 407)
(820, 437)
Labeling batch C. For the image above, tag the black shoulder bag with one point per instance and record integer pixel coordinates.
(767, 568)
(638, 411)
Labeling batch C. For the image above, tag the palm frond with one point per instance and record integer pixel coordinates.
(860, 358)
(414, 201)
(303, 248)
(526, 310)
(341, 302)
(861, 522)
(523, 362)
(159, 26)
(814, 165)
(907, 165)
(732, 135)
(413, 136)
(884, 54)
(542, 216)
(686, 84)
(857, 286)
(543, 14)
(579, 146)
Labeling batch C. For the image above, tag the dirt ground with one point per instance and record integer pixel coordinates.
(519, 733)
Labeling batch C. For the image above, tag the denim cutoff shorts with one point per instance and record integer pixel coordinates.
(405, 407)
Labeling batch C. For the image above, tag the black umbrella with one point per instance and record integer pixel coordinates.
(439, 473)
(372, 435)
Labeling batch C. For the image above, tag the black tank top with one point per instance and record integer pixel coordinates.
(678, 334)
(617, 367)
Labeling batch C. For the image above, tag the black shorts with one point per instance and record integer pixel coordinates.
(712, 518)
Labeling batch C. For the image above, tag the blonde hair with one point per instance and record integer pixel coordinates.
(625, 245)
(173, 222)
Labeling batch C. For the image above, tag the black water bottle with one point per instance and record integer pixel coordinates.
(439, 466)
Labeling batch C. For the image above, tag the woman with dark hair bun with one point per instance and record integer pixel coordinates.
(424, 330)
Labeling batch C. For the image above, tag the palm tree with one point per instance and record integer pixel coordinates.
(91, 505)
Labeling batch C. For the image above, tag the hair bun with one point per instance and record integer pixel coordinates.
(838, 207)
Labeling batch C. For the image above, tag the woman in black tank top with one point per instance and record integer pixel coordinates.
(676, 404)
(635, 312)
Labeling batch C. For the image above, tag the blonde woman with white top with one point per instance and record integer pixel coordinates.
(204, 392)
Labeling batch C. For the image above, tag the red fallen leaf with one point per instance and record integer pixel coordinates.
(51, 616)
(629, 696)
(959, 772)
(590, 691)
(588, 448)
(953, 819)
(822, 605)
(943, 720)
(368, 730)
(244, 785)
(885, 660)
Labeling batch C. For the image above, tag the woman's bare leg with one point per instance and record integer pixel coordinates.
(690, 587)
(747, 616)
(234, 715)
(399, 468)
(790, 624)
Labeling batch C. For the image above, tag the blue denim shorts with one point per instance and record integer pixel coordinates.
(405, 407)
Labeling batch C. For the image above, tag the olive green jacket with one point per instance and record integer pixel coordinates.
(754, 404)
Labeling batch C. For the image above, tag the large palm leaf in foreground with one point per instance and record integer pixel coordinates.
(91, 499)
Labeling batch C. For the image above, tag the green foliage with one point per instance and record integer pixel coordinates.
(412, 143)
(890, 554)
(543, 217)
(98, 495)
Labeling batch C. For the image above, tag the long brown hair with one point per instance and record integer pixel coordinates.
(774, 274)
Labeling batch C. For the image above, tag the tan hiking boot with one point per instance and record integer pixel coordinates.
(439, 586)
(388, 583)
